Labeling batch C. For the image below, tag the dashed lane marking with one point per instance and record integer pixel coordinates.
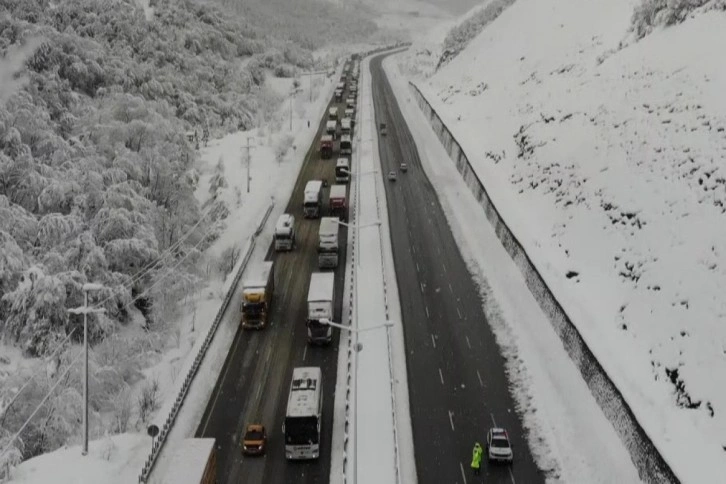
(433, 340)
(463, 474)
(427, 311)
(451, 420)
(441, 375)
(467, 342)
(481, 382)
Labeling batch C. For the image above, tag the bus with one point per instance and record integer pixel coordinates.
(303, 418)
(193, 461)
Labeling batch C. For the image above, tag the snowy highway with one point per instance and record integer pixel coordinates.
(458, 387)
(253, 384)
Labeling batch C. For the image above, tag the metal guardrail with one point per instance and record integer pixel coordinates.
(651, 466)
(170, 419)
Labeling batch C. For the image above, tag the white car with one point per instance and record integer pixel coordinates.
(498, 447)
(404, 167)
(392, 176)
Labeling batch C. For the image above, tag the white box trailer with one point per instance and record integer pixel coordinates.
(333, 113)
(345, 125)
(313, 199)
(192, 461)
(285, 232)
(321, 305)
(331, 127)
(328, 242)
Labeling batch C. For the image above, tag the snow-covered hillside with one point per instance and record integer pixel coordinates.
(605, 156)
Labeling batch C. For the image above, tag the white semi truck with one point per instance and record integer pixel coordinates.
(321, 306)
(328, 242)
(313, 199)
(285, 232)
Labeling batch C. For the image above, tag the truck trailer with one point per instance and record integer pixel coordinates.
(321, 305)
(192, 461)
(326, 146)
(331, 127)
(257, 294)
(313, 199)
(337, 202)
(328, 242)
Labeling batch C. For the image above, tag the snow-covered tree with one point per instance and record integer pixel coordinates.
(35, 311)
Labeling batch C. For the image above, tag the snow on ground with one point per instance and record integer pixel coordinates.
(269, 178)
(607, 165)
(109, 460)
(559, 411)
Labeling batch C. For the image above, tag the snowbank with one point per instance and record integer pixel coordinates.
(111, 459)
(605, 163)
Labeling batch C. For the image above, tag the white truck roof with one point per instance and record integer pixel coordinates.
(257, 278)
(337, 191)
(342, 162)
(305, 392)
(326, 137)
(331, 124)
(285, 224)
(333, 110)
(345, 137)
(312, 189)
(189, 461)
(345, 121)
(322, 285)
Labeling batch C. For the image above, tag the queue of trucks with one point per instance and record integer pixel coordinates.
(259, 285)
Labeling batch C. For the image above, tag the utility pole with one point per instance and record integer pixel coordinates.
(85, 310)
(249, 162)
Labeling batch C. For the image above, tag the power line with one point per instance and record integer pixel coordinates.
(30, 380)
(60, 379)
(168, 273)
(152, 265)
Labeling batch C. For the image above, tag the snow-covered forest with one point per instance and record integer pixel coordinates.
(97, 179)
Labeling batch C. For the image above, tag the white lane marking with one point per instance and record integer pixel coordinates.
(433, 340)
(463, 474)
(441, 375)
(413, 249)
(451, 289)
(481, 382)
(467, 342)
(493, 421)
(427, 311)
(511, 475)
(458, 312)
(421, 284)
(224, 377)
(417, 268)
(305, 352)
(451, 420)
(444, 267)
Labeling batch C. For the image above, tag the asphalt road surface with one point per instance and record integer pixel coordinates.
(458, 387)
(255, 379)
